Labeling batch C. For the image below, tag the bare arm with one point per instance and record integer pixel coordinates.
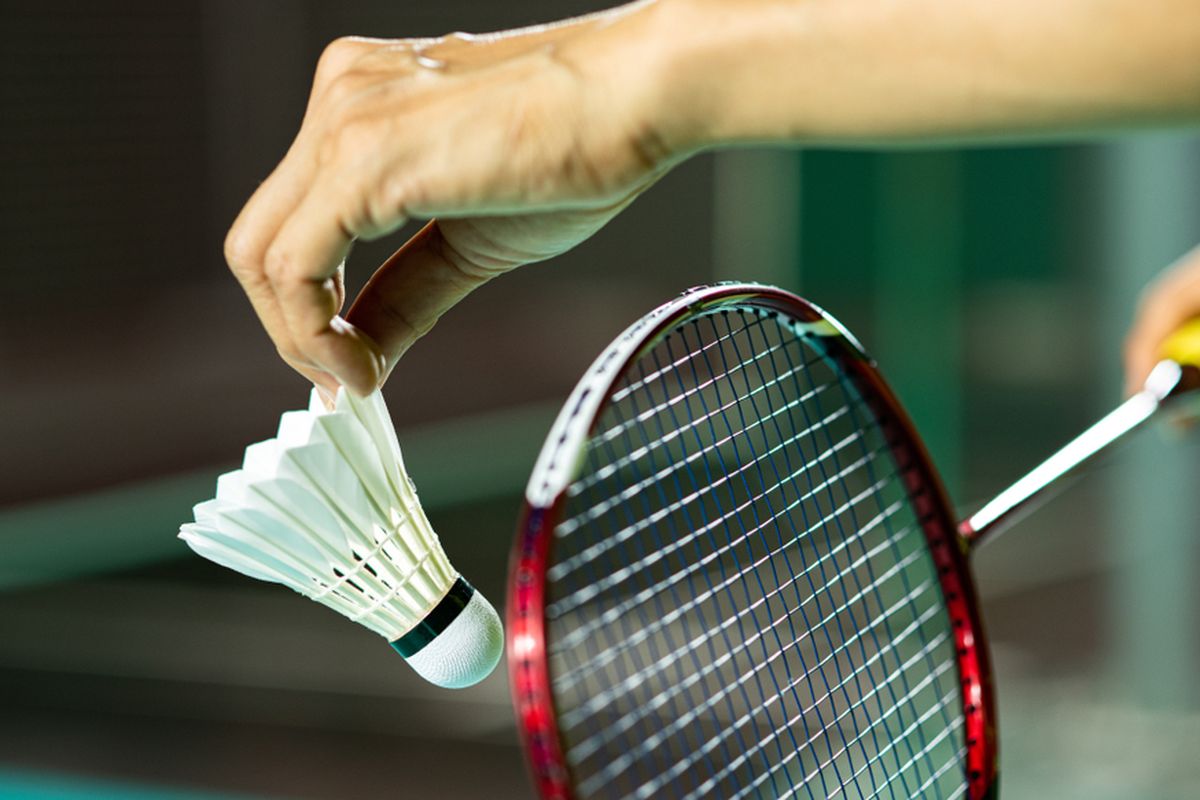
(520, 145)
(891, 71)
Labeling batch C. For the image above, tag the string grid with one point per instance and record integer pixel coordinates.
(740, 602)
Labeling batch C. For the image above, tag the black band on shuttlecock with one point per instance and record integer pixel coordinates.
(436, 620)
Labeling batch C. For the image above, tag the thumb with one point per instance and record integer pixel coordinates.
(409, 292)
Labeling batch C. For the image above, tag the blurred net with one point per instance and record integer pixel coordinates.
(740, 602)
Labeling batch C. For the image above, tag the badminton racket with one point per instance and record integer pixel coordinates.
(737, 574)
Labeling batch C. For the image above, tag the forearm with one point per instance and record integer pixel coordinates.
(524, 143)
(895, 71)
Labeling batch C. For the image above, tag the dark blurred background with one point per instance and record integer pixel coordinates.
(992, 284)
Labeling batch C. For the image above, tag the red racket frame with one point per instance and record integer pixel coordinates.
(527, 662)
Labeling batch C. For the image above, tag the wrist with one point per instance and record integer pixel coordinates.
(632, 61)
(732, 71)
(696, 74)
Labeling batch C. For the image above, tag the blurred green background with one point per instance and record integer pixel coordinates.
(992, 284)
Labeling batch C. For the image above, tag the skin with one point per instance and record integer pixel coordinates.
(518, 146)
(1170, 300)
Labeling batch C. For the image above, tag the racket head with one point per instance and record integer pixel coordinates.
(580, 682)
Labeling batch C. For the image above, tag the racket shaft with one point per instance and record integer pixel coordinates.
(1010, 504)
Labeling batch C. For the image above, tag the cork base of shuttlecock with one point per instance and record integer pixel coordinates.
(467, 651)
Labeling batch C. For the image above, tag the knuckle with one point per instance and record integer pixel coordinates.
(337, 56)
(240, 252)
(277, 266)
(340, 91)
(235, 249)
(397, 194)
(349, 138)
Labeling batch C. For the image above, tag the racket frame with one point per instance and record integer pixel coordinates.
(529, 673)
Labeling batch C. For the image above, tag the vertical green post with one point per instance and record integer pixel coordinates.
(917, 337)
(1151, 216)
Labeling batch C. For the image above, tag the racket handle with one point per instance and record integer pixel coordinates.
(1178, 374)
(1183, 346)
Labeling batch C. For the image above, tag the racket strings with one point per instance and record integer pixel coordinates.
(674, 400)
(586, 593)
(680, 613)
(731, 702)
(937, 668)
(585, 747)
(931, 664)
(694, 737)
(599, 701)
(835, 790)
(646, 376)
(742, 604)
(848, 395)
(740, 410)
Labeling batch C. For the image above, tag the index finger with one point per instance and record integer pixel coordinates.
(301, 267)
(260, 220)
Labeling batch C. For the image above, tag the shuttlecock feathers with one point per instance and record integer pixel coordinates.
(327, 509)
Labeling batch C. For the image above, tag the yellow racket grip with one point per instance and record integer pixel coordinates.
(1183, 346)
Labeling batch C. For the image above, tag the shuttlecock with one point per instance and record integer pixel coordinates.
(327, 509)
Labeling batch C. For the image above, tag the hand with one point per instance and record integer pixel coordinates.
(521, 145)
(1170, 300)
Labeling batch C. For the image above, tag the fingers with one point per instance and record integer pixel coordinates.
(295, 296)
(449, 258)
(494, 132)
(413, 288)
(302, 267)
(302, 272)
(296, 307)
(1170, 301)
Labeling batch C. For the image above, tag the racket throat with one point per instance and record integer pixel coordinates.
(1166, 381)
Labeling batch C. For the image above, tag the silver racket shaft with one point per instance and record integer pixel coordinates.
(1167, 380)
